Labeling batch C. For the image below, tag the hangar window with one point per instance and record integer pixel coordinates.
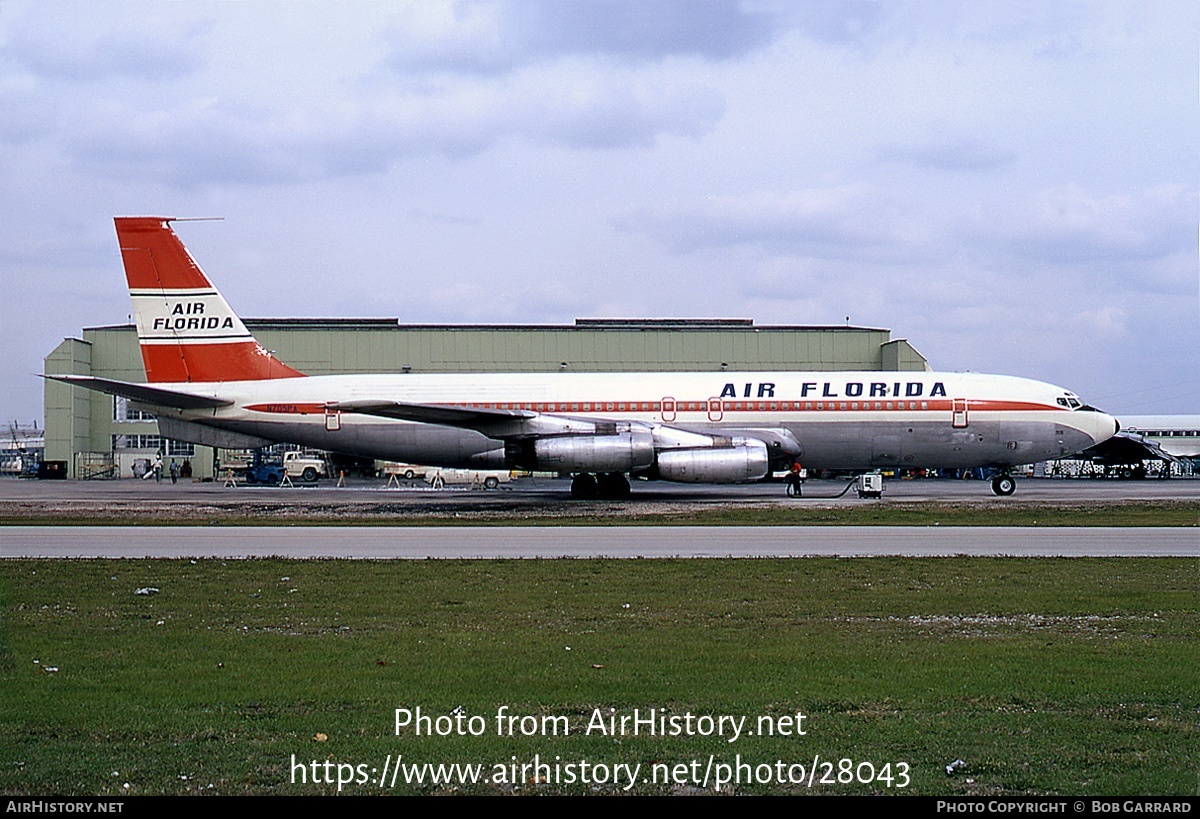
(153, 442)
(122, 411)
(180, 449)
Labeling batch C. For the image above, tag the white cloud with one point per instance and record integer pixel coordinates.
(493, 38)
(1013, 187)
(213, 140)
(145, 46)
(1068, 225)
(963, 154)
(846, 222)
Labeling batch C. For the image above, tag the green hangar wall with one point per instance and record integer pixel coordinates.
(97, 434)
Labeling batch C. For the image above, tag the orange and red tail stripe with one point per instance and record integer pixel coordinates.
(186, 329)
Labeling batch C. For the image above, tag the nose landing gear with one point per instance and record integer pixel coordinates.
(1004, 485)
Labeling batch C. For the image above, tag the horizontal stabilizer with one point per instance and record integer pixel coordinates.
(143, 393)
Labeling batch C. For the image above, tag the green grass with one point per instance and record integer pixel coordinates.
(1046, 676)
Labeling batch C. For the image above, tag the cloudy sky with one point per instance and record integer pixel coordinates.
(1010, 186)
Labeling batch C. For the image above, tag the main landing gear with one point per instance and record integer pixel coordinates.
(606, 486)
(1004, 485)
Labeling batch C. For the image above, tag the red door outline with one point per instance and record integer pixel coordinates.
(958, 410)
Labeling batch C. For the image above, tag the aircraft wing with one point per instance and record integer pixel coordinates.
(143, 393)
(451, 416)
(540, 429)
(501, 424)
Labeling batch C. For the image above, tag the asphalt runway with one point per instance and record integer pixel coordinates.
(629, 542)
(537, 492)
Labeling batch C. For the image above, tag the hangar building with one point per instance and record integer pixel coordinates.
(98, 435)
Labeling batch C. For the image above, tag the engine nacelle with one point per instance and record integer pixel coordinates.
(622, 452)
(746, 460)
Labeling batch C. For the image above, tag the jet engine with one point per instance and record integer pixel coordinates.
(745, 460)
(623, 452)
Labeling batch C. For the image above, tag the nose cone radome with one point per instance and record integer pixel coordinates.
(1103, 427)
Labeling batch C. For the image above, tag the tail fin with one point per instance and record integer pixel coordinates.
(185, 327)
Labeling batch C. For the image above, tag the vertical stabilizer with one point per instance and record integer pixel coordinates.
(185, 327)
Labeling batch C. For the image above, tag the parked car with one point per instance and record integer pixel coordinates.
(407, 471)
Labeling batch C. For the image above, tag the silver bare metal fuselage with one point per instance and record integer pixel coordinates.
(850, 421)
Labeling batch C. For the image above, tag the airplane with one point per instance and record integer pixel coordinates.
(211, 383)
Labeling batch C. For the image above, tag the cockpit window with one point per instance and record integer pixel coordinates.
(1062, 402)
(1074, 404)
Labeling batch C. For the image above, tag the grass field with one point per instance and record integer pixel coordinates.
(1044, 676)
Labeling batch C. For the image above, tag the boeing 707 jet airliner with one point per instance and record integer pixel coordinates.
(210, 382)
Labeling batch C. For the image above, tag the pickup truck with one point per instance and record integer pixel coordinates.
(305, 467)
(258, 466)
(483, 478)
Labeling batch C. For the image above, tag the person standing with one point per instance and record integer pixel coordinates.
(795, 480)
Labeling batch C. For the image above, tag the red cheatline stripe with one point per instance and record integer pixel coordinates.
(605, 407)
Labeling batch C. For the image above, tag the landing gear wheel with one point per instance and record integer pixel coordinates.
(1004, 485)
(583, 487)
(613, 485)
